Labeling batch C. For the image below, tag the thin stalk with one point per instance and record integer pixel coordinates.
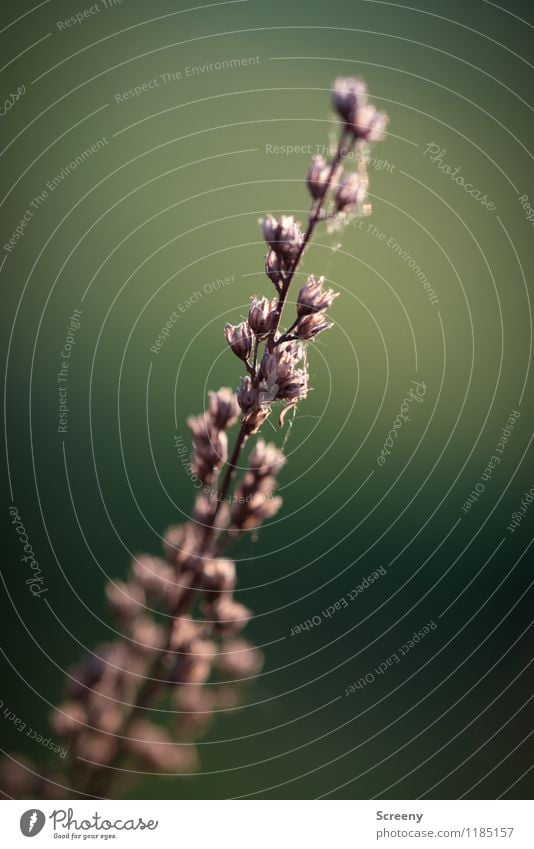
(228, 478)
(313, 220)
(102, 778)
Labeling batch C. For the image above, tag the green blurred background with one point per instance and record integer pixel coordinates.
(168, 206)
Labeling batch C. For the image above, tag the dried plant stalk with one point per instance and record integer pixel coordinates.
(167, 655)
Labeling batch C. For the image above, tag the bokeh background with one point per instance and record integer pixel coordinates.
(166, 207)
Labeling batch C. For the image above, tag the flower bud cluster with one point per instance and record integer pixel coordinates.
(255, 499)
(283, 373)
(285, 240)
(210, 443)
(361, 118)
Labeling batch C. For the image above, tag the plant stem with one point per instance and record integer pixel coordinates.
(341, 152)
(228, 478)
(102, 778)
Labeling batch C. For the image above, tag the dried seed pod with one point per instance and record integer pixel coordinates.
(348, 95)
(274, 268)
(351, 192)
(184, 631)
(247, 396)
(96, 747)
(370, 124)
(262, 315)
(280, 379)
(218, 575)
(309, 326)
(228, 615)
(210, 447)
(254, 502)
(253, 421)
(69, 718)
(239, 659)
(205, 506)
(182, 545)
(239, 337)
(284, 236)
(147, 636)
(193, 699)
(125, 600)
(313, 298)
(252, 513)
(317, 177)
(153, 575)
(192, 664)
(156, 749)
(265, 459)
(362, 118)
(223, 408)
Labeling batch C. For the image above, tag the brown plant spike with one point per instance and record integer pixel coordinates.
(178, 619)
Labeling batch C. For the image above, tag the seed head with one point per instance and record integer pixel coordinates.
(153, 575)
(239, 659)
(279, 376)
(284, 236)
(228, 615)
(218, 575)
(147, 635)
(310, 325)
(205, 506)
(182, 544)
(265, 459)
(239, 338)
(351, 191)
(262, 315)
(313, 298)
(370, 124)
(317, 177)
(274, 268)
(348, 95)
(254, 420)
(223, 408)
(125, 600)
(295, 387)
(255, 503)
(69, 718)
(156, 749)
(362, 118)
(210, 446)
(247, 397)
